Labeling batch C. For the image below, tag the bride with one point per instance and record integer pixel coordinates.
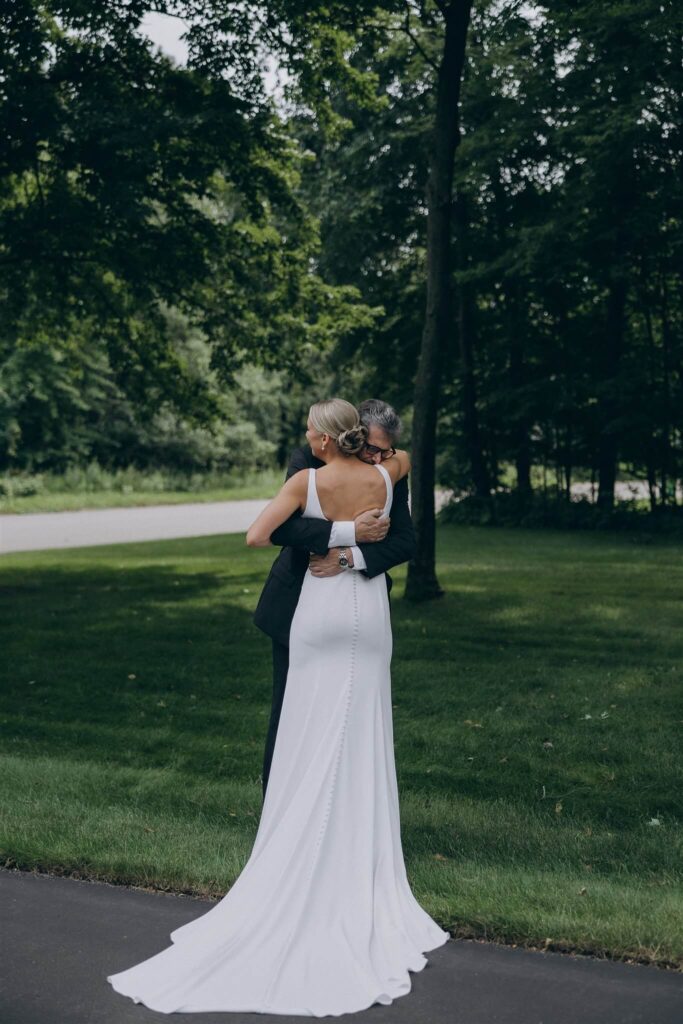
(322, 920)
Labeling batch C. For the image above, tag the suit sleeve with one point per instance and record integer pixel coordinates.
(399, 544)
(297, 532)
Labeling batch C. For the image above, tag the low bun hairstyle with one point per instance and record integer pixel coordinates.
(351, 441)
(339, 419)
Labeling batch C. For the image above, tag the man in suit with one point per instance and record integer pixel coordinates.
(370, 544)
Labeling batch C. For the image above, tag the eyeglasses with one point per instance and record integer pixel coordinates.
(384, 453)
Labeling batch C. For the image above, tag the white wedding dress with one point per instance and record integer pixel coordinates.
(321, 921)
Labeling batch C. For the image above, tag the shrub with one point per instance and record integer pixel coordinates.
(508, 508)
(20, 485)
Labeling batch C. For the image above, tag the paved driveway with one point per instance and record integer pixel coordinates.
(61, 937)
(36, 531)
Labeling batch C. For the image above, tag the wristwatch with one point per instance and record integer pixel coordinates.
(343, 559)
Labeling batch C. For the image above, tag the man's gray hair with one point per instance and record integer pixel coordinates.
(375, 412)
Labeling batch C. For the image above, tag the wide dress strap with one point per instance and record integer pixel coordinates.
(390, 486)
(313, 508)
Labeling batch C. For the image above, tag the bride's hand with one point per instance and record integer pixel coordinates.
(328, 565)
(371, 526)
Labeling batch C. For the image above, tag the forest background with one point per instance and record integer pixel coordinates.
(192, 256)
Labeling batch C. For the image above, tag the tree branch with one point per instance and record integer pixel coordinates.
(416, 43)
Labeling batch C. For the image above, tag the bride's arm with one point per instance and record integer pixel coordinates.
(292, 496)
(297, 532)
(399, 465)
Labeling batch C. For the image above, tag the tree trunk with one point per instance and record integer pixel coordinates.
(666, 403)
(422, 582)
(520, 426)
(650, 454)
(610, 405)
(465, 320)
(568, 462)
(568, 402)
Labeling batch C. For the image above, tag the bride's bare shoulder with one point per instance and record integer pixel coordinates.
(401, 464)
(297, 483)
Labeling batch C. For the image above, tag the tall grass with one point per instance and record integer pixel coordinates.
(94, 487)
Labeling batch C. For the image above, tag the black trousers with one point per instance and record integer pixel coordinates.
(280, 669)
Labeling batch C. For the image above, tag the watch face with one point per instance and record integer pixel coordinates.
(343, 560)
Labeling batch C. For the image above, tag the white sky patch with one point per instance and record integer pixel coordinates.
(165, 32)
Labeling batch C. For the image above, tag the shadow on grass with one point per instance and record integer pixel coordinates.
(142, 666)
(541, 678)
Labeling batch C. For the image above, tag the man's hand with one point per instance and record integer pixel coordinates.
(328, 565)
(370, 527)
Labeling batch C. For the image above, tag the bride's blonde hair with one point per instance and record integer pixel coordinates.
(339, 419)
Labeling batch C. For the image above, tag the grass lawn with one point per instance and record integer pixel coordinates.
(537, 720)
(254, 485)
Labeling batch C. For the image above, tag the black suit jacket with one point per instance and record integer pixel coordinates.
(299, 536)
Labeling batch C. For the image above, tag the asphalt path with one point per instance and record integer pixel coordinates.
(38, 531)
(61, 937)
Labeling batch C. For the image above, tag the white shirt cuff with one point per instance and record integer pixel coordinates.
(358, 560)
(343, 534)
